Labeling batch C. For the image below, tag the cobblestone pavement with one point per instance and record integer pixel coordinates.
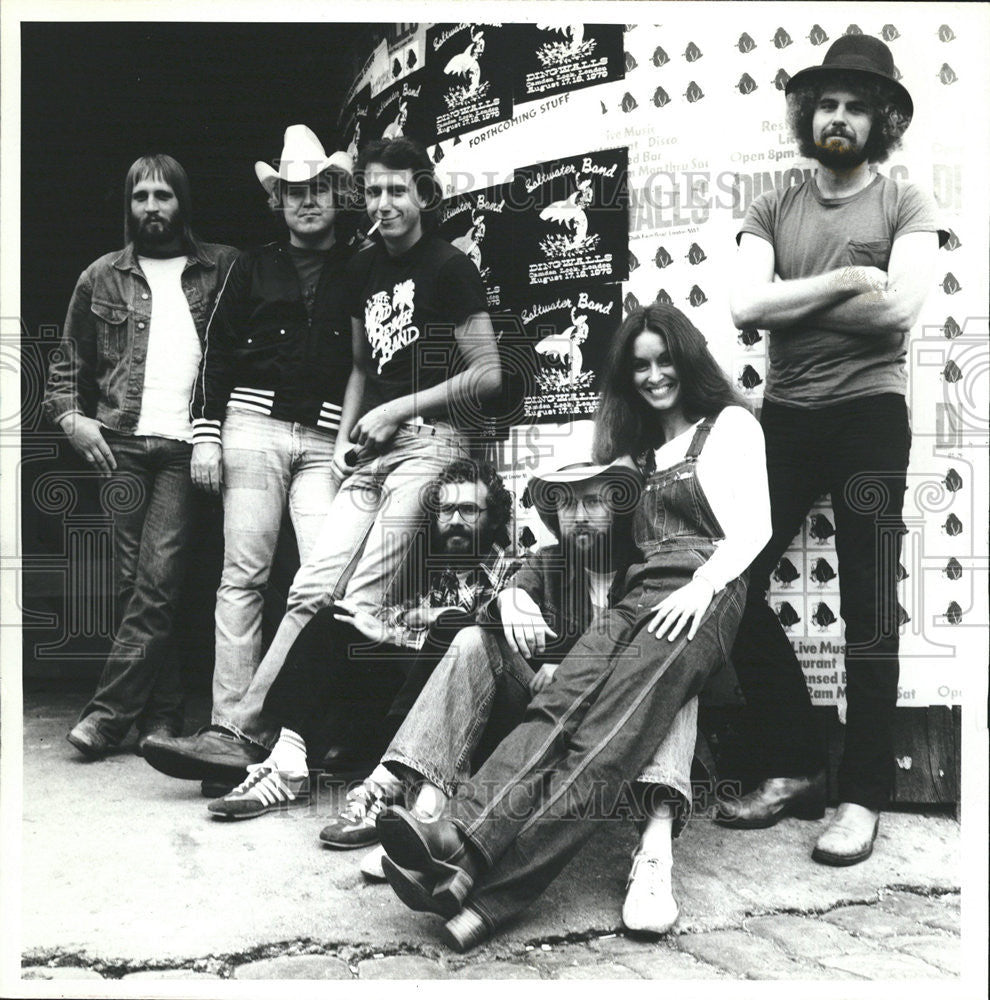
(901, 936)
(126, 877)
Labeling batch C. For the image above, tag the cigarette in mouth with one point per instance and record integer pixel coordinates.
(374, 227)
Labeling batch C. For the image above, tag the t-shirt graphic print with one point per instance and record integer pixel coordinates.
(388, 321)
(409, 305)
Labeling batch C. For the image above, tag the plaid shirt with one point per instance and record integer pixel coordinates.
(469, 592)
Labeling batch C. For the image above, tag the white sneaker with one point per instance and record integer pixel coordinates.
(650, 905)
(371, 865)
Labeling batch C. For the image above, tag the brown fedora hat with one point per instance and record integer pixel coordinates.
(857, 54)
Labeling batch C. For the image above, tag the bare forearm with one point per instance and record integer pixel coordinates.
(783, 303)
(895, 305)
(869, 314)
(462, 391)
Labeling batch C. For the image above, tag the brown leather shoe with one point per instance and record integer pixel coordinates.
(214, 753)
(466, 930)
(415, 889)
(437, 849)
(89, 741)
(848, 838)
(775, 798)
(159, 731)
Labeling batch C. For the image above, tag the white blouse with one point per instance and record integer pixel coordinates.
(732, 471)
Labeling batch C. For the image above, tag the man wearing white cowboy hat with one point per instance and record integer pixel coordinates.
(836, 269)
(482, 686)
(266, 411)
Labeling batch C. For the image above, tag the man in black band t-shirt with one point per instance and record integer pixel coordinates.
(424, 359)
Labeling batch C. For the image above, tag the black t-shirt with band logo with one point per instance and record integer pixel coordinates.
(410, 305)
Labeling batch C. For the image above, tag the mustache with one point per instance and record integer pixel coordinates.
(455, 533)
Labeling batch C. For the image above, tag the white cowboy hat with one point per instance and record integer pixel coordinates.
(623, 480)
(303, 158)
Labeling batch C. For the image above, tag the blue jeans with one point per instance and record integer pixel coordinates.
(537, 799)
(479, 689)
(151, 495)
(267, 463)
(476, 696)
(361, 547)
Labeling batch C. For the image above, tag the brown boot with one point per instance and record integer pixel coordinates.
(775, 798)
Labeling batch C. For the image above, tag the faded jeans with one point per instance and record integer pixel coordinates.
(150, 493)
(538, 798)
(364, 540)
(478, 694)
(266, 464)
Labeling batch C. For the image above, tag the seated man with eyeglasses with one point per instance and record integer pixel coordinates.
(465, 566)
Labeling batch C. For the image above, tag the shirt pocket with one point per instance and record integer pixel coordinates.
(268, 339)
(110, 319)
(868, 253)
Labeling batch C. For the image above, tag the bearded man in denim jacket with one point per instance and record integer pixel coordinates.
(119, 387)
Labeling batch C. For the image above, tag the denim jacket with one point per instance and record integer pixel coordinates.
(549, 579)
(98, 368)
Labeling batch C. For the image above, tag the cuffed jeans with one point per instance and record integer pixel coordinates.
(360, 549)
(479, 689)
(535, 801)
(478, 694)
(266, 464)
(858, 451)
(150, 493)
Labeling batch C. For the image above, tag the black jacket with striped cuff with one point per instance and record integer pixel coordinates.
(265, 353)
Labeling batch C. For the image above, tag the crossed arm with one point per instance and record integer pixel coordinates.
(851, 299)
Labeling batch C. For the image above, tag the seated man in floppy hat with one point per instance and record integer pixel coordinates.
(481, 687)
(266, 410)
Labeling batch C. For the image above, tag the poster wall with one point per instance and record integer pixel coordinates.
(619, 174)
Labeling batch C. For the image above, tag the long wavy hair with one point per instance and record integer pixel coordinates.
(625, 424)
(890, 118)
(161, 166)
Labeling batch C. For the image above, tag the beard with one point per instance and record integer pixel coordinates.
(589, 548)
(837, 157)
(456, 544)
(154, 233)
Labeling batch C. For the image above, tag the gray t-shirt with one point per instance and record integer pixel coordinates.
(811, 365)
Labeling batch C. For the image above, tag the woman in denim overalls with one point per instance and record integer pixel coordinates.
(701, 518)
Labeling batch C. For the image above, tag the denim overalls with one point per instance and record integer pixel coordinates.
(534, 802)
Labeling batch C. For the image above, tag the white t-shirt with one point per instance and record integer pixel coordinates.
(599, 586)
(732, 471)
(174, 353)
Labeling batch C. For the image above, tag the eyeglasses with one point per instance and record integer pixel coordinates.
(592, 503)
(470, 512)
